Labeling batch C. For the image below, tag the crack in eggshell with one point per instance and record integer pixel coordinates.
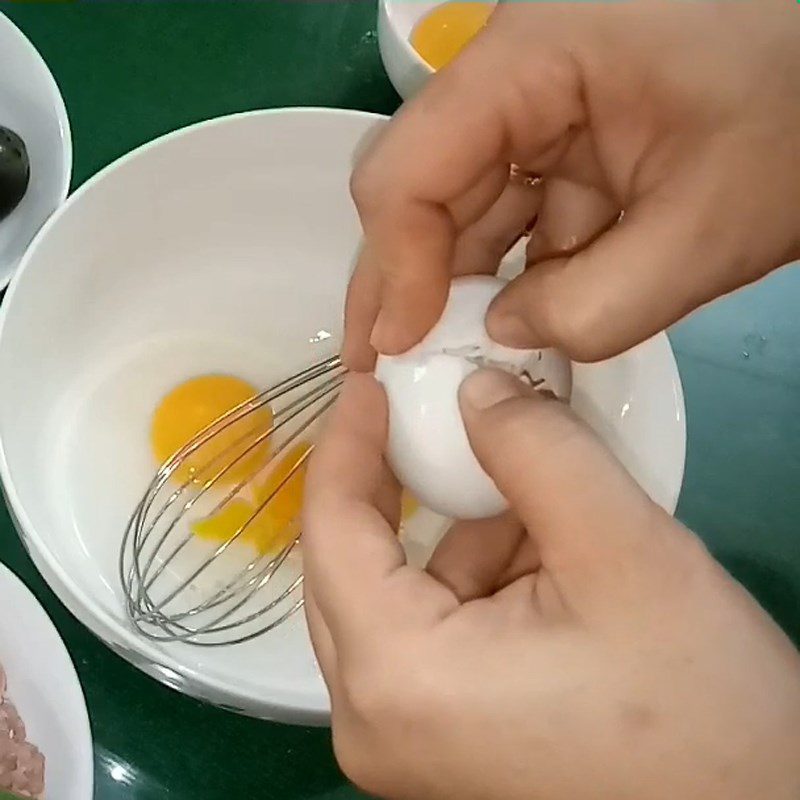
(476, 355)
(428, 448)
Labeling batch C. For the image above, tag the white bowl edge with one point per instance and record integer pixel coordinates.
(66, 134)
(81, 770)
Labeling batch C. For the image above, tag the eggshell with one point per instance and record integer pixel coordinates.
(428, 448)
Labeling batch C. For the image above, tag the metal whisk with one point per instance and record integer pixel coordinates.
(179, 587)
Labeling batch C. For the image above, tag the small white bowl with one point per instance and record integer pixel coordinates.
(31, 105)
(43, 686)
(226, 246)
(407, 70)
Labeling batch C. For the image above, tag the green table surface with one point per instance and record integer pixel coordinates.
(131, 71)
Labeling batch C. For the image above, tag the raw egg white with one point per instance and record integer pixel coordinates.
(428, 448)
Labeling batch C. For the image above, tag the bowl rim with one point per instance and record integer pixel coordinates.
(290, 707)
(62, 117)
(81, 728)
(408, 48)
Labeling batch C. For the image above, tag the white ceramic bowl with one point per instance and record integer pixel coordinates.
(43, 686)
(225, 246)
(32, 106)
(406, 69)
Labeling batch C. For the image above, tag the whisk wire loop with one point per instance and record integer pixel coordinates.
(181, 588)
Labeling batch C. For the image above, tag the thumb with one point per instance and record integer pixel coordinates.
(575, 499)
(664, 259)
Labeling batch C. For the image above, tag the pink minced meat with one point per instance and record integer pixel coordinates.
(21, 763)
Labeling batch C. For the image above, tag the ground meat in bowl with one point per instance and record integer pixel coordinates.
(21, 763)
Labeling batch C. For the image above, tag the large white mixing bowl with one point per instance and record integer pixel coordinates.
(223, 247)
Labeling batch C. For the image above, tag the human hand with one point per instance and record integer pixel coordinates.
(684, 116)
(593, 650)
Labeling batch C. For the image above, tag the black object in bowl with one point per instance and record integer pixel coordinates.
(15, 171)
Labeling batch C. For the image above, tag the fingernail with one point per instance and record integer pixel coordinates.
(488, 387)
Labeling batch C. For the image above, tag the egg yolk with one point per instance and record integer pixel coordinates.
(409, 506)
(441, 35)
(189, 408)
(267, 511)
(277, 524)
(271, 527)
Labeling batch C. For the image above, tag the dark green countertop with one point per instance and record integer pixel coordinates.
(130, 71)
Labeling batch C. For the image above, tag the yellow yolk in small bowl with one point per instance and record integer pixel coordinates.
(443, 33)
(189, 408)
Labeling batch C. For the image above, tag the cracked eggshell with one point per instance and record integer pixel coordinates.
(428, 448)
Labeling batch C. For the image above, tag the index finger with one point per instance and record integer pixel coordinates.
(353, 559)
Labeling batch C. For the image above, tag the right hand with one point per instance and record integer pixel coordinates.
(586, 647)
(686, 116)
